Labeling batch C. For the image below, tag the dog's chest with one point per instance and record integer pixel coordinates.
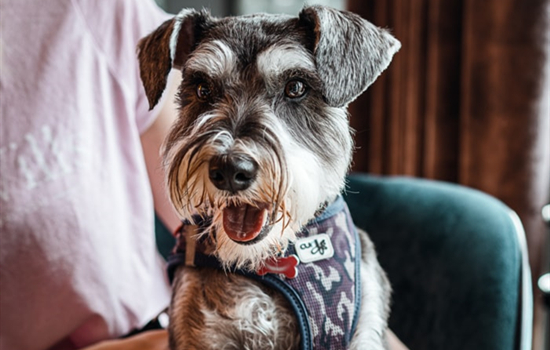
(323, 294)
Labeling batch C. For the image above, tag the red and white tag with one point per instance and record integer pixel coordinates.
(284, 266)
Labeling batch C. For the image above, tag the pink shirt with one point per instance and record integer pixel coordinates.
(77, 251)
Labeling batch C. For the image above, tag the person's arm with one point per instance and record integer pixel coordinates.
(158, 340)
(151, 141)
(394, 343)
(150, 340)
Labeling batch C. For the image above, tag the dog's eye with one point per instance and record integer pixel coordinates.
(295, 89)
(203, 91)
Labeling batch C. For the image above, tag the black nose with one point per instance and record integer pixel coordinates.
(232, 172)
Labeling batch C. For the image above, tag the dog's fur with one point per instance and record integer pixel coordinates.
(299, 146)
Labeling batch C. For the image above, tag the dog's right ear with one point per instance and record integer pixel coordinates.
(168, 46)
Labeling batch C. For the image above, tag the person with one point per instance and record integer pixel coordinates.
(78, 148)
(80, 177)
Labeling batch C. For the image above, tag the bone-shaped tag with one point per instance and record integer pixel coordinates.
(285, 266)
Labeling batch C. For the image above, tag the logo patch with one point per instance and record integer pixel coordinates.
(314, 248)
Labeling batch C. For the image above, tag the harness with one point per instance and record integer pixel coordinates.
(318, 274)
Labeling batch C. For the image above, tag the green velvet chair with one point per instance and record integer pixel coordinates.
(457, 261)
(456, 258)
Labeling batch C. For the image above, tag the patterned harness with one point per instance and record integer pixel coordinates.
(318, 274)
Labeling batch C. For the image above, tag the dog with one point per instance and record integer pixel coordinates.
(267, 256)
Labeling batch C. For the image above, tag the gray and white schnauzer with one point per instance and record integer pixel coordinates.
(267, 257)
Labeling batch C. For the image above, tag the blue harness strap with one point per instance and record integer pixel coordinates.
(325, 294)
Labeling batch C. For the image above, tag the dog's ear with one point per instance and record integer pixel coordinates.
(350, 52)
(168, 46)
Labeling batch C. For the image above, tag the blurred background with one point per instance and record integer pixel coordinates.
(240, 7)
(466, 100)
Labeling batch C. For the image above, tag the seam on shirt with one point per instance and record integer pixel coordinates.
(141, 125)
(125, 89)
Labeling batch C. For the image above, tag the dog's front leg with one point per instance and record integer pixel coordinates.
(213, 310)
(375, 299)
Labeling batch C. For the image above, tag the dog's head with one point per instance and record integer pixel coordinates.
(263, 139)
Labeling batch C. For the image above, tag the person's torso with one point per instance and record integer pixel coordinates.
(78, 252)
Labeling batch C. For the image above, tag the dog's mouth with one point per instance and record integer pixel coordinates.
(245, 223)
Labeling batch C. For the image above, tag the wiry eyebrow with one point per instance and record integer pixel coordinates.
(214, 58)
(276, 60)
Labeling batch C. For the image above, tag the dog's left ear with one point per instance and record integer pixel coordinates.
(350, 52)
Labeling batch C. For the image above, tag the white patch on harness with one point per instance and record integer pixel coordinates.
(314, 248)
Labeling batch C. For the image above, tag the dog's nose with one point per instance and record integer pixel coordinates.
(232, 172)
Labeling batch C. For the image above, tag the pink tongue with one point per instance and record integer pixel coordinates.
(243, 223)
